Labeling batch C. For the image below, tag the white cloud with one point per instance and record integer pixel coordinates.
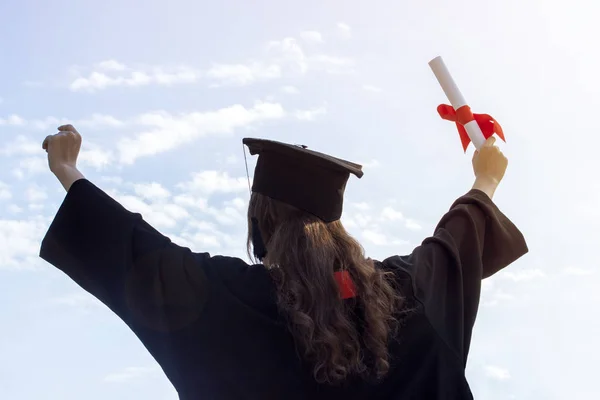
(14, 209)
(412, 225)
(19, 242)
(22, 145)
(130, 374)
(362, 206)
(374, 237)
(344, 30)
(190, 201)
(290, 89)
(282, 57)
(227, 215)
(112, 73)
(5, 192)
(371, 164)
(523, 275)
(380, 239)
(243, 74)
(151, 191)
(237, 203)
(99, 121)
(288, 53)
(389, 214)
(168, 131)
(117, 180)
(13, 120)
(312, 36)
(231, 159)
(331, 64)
(35, 194)
(81, 301)
(95, 156)
(497, 373)
(372, 89)
(30, 166)
(494, 297)
(578, 271)
(50, 123)
(310, 115)
(32, 84)
(111, 65)
(202, 240)
(161, 131)
(209, 182)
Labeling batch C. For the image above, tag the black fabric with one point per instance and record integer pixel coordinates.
(309, 180)
(212, 322)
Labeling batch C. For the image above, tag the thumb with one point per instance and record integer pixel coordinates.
(490, 141)
(45, 142)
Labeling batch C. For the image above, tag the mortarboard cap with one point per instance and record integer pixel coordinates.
(306, 179)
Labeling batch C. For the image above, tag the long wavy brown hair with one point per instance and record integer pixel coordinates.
(339, 338)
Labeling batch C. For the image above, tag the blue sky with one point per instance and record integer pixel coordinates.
(163, 94)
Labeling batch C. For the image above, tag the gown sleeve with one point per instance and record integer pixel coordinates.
(116, 256)
(472, 241)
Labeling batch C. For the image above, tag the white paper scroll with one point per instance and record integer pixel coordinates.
(456, 98)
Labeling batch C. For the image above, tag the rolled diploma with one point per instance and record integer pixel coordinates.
(456, 98)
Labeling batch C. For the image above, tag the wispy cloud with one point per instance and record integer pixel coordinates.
(13, 120)
(110, 73)
(80, 301)
(209, 182)
(5, 192)
(381, 238)
(497, 373)
(49, 124)
(152, 133)
(167, 131)
(412, 225)
(523, 275)
(578, 271)
(19, 242)
(388, 213)
(131, 374)
(312, 36)
(311, 114)
(496, 297)
(280, 58)
(35, 194)
(344, 30)
(372, 89)
(243, 74)
(290, 89)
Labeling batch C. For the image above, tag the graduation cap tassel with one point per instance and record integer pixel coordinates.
(260, 251)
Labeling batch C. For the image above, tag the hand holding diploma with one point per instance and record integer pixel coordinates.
(476, 128)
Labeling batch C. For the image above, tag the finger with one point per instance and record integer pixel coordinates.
(45, 142)
(490, 141)
(67, 128)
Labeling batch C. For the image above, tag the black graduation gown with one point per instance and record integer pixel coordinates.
(212, 323)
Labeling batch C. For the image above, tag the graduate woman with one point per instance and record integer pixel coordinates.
(314, 317)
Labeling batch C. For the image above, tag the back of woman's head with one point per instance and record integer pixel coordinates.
(339, 338)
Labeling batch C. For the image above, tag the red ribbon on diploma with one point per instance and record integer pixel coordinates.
(344, 281)
(463, 115)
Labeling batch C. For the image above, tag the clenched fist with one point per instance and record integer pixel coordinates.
(489, 163)
(63, 148)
